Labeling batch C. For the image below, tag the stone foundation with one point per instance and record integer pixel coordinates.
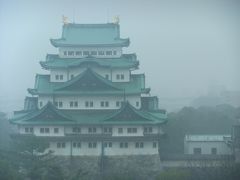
(140, 167)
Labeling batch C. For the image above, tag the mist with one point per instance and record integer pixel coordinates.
(184, 47)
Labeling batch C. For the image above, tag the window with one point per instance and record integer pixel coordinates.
(107, 144)
(60, 104)
(92, 144)
(214, 151)
(71, 104)
(76, 130)
(107, 76)
(65, 53)
(132, 130)
(46, 130)
(61, 145)
(40, 103)
(101, 53)
(137, 104)
(56, 104)
(107, 130)
(197, 151)
(122, 76)
(154, 144)
(76, 144)
(114, 52)
(108, 52)
(93, 53)
(72, 76)
(147, 130)
(118, 103)
(56, 130)
(102, 103)
(86, 104)
(61, 77)
(123, 145)
(85, 53)
(120, 130)
(41, 130)
(26, 130)
(75, 104)
(78, 53)
(139, 145)
(92, 130)
(31, 129)
(91, 103)
(70, 53)
(106, 103)
(57, 77)
(118, 76)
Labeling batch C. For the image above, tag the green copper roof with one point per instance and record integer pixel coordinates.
(90, 35)
(53, 61)
(127, 115)
(89, 83)
(45, 115)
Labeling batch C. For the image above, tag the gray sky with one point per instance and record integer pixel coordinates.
(183, 46)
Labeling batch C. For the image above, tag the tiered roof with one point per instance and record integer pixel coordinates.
(90, 35)
(88, 83)
(53, 61)
(50, 115)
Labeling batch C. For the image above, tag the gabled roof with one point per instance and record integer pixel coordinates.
(132, 115)
(44, 86)
(47, 115)
(53, 61)
(90, 35)
(88, 81)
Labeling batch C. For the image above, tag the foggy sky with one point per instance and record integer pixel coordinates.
(184, 47)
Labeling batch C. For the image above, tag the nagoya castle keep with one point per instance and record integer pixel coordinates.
(91, 103)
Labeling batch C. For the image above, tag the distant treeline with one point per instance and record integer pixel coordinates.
(202, 120)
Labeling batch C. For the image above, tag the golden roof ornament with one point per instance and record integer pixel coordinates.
(65, 20)
(116, 19)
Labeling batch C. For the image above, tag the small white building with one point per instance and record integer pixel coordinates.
(207, 144)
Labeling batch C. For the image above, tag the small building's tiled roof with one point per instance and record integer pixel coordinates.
(90, 35)
(53, 61)
(127, 115)
(89, 83)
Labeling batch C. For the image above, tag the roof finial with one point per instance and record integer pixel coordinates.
(116, 19)
(65, 20)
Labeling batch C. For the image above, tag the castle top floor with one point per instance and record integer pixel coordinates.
(98, 40)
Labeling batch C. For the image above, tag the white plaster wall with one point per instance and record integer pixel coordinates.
(132, 99)
(60, 151)
(21, 129)
(131, 150)
(221, 146)
(96, 101)
(44, 99)
(125, 72)
(117, 49)
(84, 129)
(51, 131)
(84, 150)
(140, 130)
(54, 72)
(112, 74)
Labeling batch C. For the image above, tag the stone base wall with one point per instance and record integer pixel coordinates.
(139, 167)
